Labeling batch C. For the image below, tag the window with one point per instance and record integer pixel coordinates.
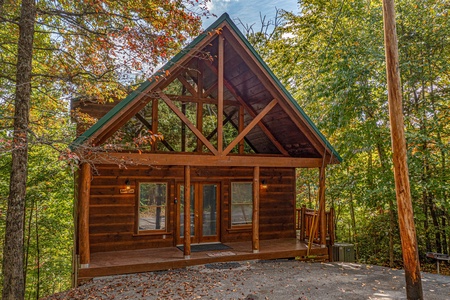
(152, 206)
(241, 203)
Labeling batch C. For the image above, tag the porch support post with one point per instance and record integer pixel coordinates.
(83, 215)
(322, 217)
(255, 215)
(187, 212)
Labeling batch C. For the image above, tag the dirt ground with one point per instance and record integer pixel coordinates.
(258, 280)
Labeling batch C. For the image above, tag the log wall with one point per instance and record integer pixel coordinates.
(112, 215)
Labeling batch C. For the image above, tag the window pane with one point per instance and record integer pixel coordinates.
(152, 206)
(241, 203)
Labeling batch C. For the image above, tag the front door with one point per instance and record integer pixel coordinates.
(204, 213)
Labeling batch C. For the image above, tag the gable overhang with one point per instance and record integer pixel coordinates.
(136, 100)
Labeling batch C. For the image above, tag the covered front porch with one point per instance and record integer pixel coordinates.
(144, 260)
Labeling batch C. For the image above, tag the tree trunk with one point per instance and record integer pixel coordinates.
(399, 156)
(13, 254)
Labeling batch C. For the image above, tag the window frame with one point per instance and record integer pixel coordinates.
(138, 206)
(240, 226)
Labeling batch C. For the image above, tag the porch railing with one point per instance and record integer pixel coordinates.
(304, 223)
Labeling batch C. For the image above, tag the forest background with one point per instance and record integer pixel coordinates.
(329, 55)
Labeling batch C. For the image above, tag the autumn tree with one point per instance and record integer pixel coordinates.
(55, 50)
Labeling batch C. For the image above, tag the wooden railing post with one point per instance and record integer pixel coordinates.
(302, 223)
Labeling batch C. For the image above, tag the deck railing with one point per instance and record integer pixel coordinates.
(304, 223)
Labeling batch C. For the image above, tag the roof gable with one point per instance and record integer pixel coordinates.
(248, 80)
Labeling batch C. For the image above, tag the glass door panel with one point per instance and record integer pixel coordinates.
(204, 213)
(209, 214)
(192, 209)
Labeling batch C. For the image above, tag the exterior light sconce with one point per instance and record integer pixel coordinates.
(263, 184)
(127, 189)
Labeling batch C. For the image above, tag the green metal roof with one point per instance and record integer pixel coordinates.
(223, 18)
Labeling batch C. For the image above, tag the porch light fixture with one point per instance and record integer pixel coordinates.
(127, 189)
(263, 184)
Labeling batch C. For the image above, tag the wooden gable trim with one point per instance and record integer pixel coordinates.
(177, 159)
(186, 121)
(250, 126)
(131, 105)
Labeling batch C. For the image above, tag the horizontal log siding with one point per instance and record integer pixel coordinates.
(112, 215)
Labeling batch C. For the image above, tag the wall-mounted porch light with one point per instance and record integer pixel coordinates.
(263, 184)
(127, 189)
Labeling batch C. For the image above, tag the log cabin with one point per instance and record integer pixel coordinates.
(221, 183)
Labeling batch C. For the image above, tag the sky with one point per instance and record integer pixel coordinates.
(248, 11)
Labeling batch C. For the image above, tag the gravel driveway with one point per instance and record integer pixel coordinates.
(278, 279)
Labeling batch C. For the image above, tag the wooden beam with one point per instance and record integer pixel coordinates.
(183, 128)
(322, 217)
(187, 85)
(250, 126)
(187, 122)
(155, 122)
(187, 98)
(209, 90)
(251, 112)
(255, 213)
(187, 212)
(199, 125)
(227, 119)
(247, 141)
(150, 127)
(241, 128)
(200, 73)
(220, 96)
(199, 111)
(83, 215)
(408, 235)
(178, 159)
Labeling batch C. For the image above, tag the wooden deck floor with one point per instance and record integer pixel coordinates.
(135, 261)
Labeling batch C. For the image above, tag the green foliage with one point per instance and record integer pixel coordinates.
(331, 57)
(89, 48)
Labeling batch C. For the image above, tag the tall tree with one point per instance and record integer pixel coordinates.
(92, 48)
(13, 274)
